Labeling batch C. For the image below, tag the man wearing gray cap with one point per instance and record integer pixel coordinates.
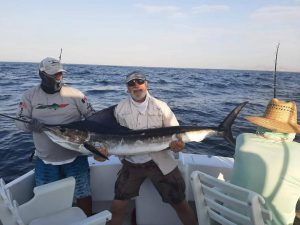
(52, 102)
(142, 111)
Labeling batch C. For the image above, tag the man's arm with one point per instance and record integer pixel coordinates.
(169, 120)
(24, 112)
(84, 106)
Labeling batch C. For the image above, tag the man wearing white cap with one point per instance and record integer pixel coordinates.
(142, 111)
(268, 162)
(52, 102)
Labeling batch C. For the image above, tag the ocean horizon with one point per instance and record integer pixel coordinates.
(164, 67)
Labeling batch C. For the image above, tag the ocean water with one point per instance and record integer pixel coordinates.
(197, 96)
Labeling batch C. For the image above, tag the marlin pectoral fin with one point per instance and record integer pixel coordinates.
(92, 149)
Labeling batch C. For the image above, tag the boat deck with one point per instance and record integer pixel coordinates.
(146, 209)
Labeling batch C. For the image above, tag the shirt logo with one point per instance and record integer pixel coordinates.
(84, 100)
(53, 106)
(22, 105)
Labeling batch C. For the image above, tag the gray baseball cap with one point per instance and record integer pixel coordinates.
(135, 75)
(51, 66)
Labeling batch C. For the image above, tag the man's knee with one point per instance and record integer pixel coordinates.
(183, 205)
(119, 206)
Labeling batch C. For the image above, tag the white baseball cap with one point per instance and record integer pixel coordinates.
(51, 66)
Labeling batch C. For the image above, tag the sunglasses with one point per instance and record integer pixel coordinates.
(135, 81)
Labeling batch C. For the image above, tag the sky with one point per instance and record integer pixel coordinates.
(214, 34)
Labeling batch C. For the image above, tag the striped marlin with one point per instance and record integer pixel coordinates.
(102, 130)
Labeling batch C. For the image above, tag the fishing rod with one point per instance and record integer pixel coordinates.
(14, 118)
(26, 121)
(275, 70)
(60, 54)
(86, 144)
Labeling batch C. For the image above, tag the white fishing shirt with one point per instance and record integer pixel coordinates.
(152, 113)
(68, 105)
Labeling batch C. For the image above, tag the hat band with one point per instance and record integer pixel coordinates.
(280, 107)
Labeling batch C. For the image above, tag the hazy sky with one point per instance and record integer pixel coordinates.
(232, 34)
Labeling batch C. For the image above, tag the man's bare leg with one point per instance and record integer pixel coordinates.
(85, 204)
(185, 213)
(118, 210)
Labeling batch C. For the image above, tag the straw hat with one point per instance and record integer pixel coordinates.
(280, 116)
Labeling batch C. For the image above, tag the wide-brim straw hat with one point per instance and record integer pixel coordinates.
(280, 116)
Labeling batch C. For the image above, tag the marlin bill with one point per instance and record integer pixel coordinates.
(102, 130)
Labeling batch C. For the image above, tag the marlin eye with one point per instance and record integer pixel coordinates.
(62, 129)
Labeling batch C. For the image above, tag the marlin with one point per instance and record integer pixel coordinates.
(102, 130)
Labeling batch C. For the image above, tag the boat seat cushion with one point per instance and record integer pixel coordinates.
(67, 216)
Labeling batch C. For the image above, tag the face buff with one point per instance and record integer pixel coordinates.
(277, 137)
(49, 84)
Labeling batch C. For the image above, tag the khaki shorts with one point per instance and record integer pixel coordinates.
(171, 187)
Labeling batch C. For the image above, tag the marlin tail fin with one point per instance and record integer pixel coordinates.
(225, 126)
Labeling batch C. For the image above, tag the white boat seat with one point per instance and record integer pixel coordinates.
(50, 198)
(225, 203)
(67, 216)
(51, 204)
(73, 216)
(7, 208)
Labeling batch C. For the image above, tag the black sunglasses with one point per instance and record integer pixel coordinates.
(135, 81)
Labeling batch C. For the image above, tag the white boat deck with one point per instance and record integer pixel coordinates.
(148, 207)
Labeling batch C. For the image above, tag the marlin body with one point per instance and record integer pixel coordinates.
(127, 143)
(102, 130)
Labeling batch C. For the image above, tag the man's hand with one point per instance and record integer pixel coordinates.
(177, 146)
(35, 126)
(103, 151)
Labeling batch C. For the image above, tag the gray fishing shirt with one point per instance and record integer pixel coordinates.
(68, 105)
